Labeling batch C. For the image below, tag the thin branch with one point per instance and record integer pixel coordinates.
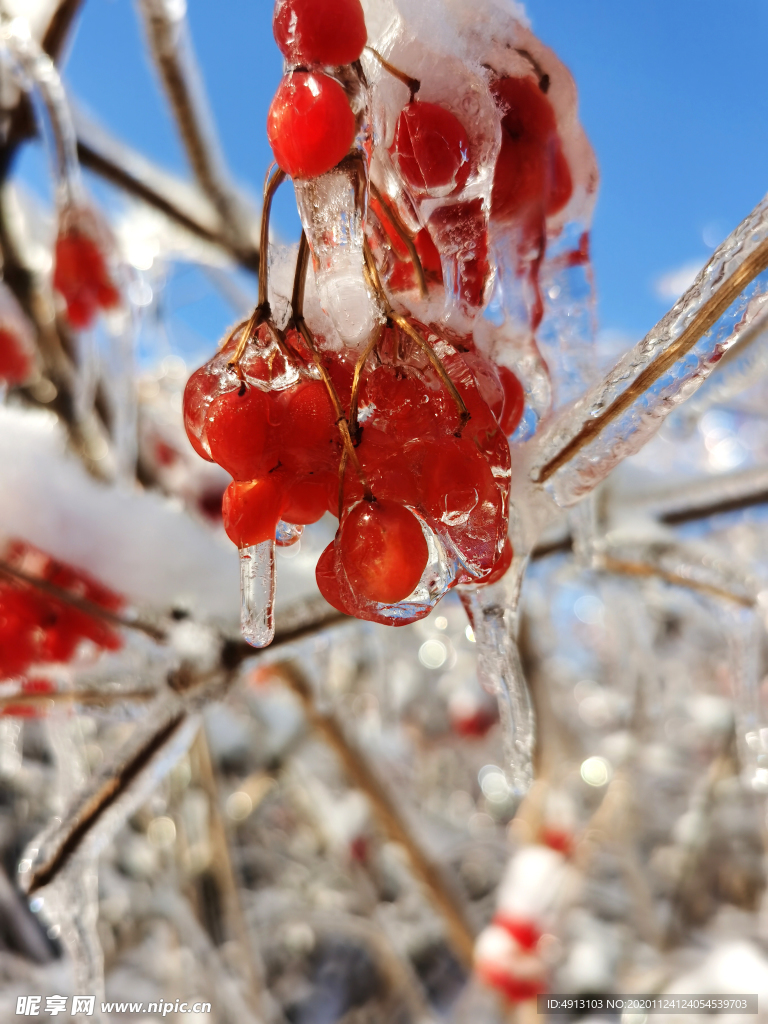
(644, 569)
(297, 318)
(221, 863)
(412, 84)
(708, 315)
(21, 124)
(362, 775)
(118, 165)
(96, 802)
(430, 353)
(172, 52)
(66, 698)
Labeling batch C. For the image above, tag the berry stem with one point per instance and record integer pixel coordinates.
(270, 187)
(262, 313)
(353, 429)
(342, 423)
(413, 83)
(405, 238)
(414, 335)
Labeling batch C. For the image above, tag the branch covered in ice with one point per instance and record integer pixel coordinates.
(171, 49)
(180, 201)
(616, 417)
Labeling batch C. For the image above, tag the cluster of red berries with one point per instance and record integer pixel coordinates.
(272, 425)
(36, 626)
(81, 273)
(405, 439)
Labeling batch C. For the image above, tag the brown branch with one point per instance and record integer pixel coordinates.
(362, 775)
(91, 698)
(412, 84)
(221, 863)
(158, 191)
(81, 603)
(645, 570)
(707, 317)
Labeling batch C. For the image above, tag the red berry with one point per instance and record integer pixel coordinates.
(252, 510)
(81, 276)
(382, 550)
(514, 400)
(531, 170)
(309, 436)
(237, 432)
(195, 407)
(431, 150)
(308, 497)
(310, 124)
(320, 31)
(522, 930)
(328, 582)
(515, 989)
(502, 565)
(455, 481)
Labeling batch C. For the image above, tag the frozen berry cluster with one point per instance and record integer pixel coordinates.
(37, 627)
(422, 178)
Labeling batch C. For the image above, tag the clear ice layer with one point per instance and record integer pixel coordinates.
(332, 210)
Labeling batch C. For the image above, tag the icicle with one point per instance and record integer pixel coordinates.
(500, 672)
(257, 593)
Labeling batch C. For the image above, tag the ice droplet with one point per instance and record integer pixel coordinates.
(257, 593)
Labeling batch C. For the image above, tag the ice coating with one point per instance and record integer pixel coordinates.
(511, 258)
(257, 593)
(332, 209)
(618, 415)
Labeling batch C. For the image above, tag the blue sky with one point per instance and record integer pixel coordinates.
(672, 95)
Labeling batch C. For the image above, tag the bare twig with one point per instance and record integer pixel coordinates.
(643, 569)
(66, 698)
(94, 803)
(221, 862)
(364, 778)
(172, 52)
(21, 124)
(132, 173)
(412, 84)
